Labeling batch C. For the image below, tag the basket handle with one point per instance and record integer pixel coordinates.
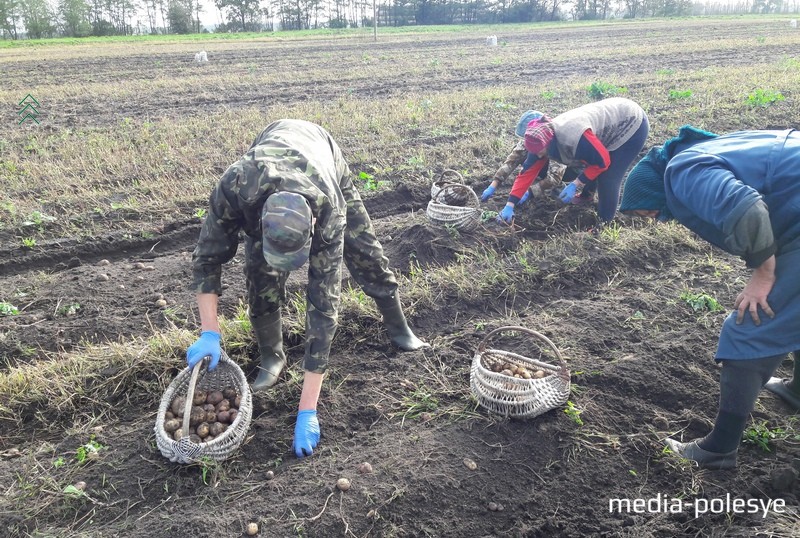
(187, 409)
(453, 172)
(562, 363)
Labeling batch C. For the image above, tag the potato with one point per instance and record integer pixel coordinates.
(229, 393)
(197, 416)
(177, 406)
(232, 414)
(224, 416)
(199, 397)
(237, 402)
(343, 484)
(526, 375)
(507, 372)
(209, 438)
(364, 468)
(209, 407)
(195, 439)
(203, 429)
(217, 428)
(214, 397)
(171, 425)
(211, 416)
(224, 405)
(177, 434)
(252, 529)
(538, 374)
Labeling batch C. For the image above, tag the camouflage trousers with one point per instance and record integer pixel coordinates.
(362, 254)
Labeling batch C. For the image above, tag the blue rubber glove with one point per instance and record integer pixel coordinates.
(205, 346)
(487, 193)
(524, 197)
(506, 215)
(306, 433)
(568, 193)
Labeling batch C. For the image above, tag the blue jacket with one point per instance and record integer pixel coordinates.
(710, 185)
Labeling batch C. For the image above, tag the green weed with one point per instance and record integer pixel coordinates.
(69, 309)
(8, 309)
(764, 98)
(761, 435)
(88, 451)
(679, 94)
(574, 413)
(601, 90)
(701, 301)
(28, 242)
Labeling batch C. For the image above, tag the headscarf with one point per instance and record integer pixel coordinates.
(644, 187)
(524, 120)
(538, 135)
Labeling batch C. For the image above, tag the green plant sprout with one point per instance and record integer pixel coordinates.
(761, 435)
(8, 309)
(69, 309)
(28, 242)
(701, 301)
(88, 451)
(574, 413)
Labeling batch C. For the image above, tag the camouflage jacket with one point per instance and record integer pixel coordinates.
(289, 156)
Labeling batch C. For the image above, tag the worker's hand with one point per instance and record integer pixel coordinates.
(568, 193)
(487, 193)
(524, 197)
(205, 346)
(755, 293)
(506, 215)
(306, 433)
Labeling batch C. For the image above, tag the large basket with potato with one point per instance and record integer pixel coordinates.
(513, 385)
(455, 205)
(204, 414)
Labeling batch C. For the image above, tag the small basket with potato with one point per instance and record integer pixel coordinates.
(440, 183)
(188, 429)
(455, 205)
(512, 385)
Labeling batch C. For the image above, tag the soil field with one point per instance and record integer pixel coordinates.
(103, 200)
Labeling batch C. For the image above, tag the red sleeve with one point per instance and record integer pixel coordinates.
(595, 156)
(525, 180)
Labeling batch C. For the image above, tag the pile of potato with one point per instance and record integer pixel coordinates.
(500, 366)
(212, 412)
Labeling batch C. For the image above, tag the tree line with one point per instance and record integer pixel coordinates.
(34, 19)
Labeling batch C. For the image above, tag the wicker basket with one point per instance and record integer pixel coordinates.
(464, 216)
(517, 397)
(226, 374)
(440, 183)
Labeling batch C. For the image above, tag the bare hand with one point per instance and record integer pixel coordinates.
(755, 293)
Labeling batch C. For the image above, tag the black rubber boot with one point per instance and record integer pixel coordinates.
(270, 345)
(396, 325)
(788, 389)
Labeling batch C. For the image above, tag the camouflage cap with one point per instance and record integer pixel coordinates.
(286, 231)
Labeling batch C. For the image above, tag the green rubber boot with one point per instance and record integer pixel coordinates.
(396, 325)
(270, 345)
